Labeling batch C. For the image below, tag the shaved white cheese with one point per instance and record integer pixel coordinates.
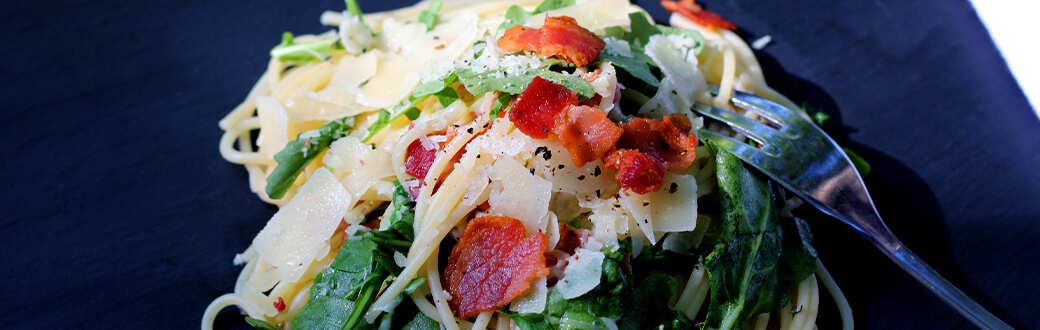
(582, 274)
(617, 47)
(608, 221)
(760, 43)
(589, 182)
(594, 15)
(518, 194)
(396, 79)
(350, 155)
(274, 125)
(400, 259)
(605, 84)
(533, 300)
(296, 233)
(674, 55)
(670, 209)
(498, 143)
(355, 36)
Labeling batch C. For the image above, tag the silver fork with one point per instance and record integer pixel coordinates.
(808, 163)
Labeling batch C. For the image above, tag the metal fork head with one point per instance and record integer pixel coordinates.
(790, 149)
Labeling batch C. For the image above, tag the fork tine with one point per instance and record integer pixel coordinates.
(742, 150)
(771, 139)
(775, 112)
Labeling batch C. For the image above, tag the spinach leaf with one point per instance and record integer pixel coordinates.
(259, 324)
(641, 30)
(429, 16)
(548, 5)
(650, 307)
(498, 80)
(342, 293)
(798, 257)
(298, 153)
(743, 267)
(290, 51)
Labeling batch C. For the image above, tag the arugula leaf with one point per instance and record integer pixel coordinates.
(301, 151)
(698, 39)
(440, 88)
(386, 117)
(861, 165)
(479, 83)
(429, 16)
(290, 51)
(742, 269)
(633, 66)
(259, 324)
(518, 16)
(500, 104)
(650, 307)
(641, 30)
(354, 8)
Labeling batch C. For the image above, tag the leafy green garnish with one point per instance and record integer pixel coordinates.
(798, 257)
(429, 16)
(354, 8)
(820, 118)
(479, 83)
(440, 88)
(290, 51)
(518, 16)
(260, 324)
(386, 117)
(342, 293)
(861, 165)
(743, 267)
(301, 151)
(633, 66)
(500, 104)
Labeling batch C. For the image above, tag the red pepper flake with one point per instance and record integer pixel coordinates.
(559, 37)
(492, 264)
(698, 14)
(280, 305)
(638, 172)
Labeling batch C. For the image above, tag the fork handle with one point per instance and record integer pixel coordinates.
(941, 287)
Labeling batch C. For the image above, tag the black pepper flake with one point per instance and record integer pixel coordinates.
(646, 203)
(581, 177)
(596, 172)
(560, 167)
(540, 150)
(469, 130)
(599, 193)
(546, 130)
(478, 156)
(646, 220)
(532, 171)
(486, 125)
(672, 188)
(547, 154)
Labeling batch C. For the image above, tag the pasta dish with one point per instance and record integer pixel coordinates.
(513, 164)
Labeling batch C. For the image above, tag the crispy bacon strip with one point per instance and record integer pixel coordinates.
(638, 172)
(559, 37)
(664, 139)
(534, 111)
(587, 133)
(492, 264)
(698, 14)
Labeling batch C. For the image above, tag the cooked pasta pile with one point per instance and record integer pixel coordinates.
(401, 138)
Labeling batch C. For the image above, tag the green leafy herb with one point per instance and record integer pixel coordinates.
(290, 51)
(353, 8)
(429, 16)
(548, 5)
(698, 39)
(861, 165)
(386, 117)
(820, 118)
(301, 151)
(479, 83)
(641, 30)
(260, 324)
(342, 293)
(500, 104)
(635, 67)
(440, 88)
(743, 267)
(518, 16)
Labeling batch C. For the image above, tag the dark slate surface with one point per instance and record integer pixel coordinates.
(119, 212)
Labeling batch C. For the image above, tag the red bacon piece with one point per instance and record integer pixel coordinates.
(698, 14)
(664, 139)
(534, 111)
(492, 264)
(587, 133)
(419, 160)
(638, 172)
(560, 37)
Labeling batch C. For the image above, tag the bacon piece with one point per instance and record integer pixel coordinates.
(280, 305)
(587, 133)
(698, 14)
(560, 37)
(419, 160)
(663, 139)
(492, 264)
(570, 238)
(534, 111)
(638, 172)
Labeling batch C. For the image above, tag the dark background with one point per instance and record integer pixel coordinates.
(118, 211)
